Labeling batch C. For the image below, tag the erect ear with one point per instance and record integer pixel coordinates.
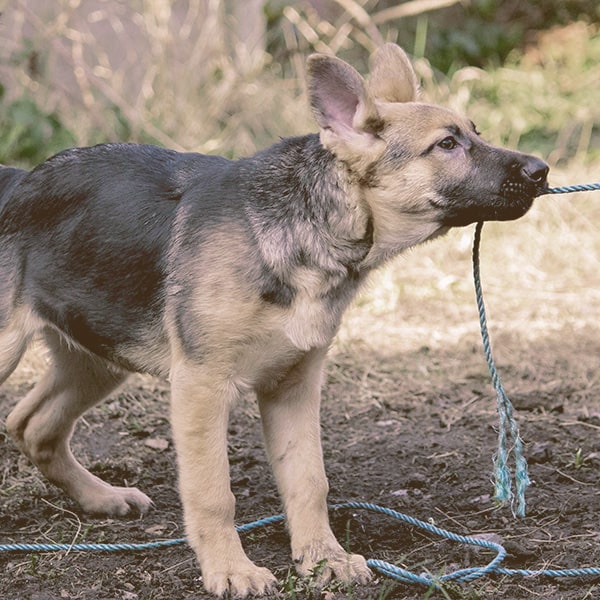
(392, 77)
(344, 110)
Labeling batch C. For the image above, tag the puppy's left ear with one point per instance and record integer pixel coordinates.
(344, 110)
(392, 77)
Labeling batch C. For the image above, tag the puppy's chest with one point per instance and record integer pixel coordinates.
(314, 315)
(286, 334)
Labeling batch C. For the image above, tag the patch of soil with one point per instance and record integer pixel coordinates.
(413, 431)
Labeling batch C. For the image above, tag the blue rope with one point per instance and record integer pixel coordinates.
(508, 431)
(568, 189)
(509, 439)
(125, 547)
(383, 567)
(89, 547)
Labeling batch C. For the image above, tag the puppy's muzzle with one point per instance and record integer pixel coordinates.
(535, 171)
(527, 179)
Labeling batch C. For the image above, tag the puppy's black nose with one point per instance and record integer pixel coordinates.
(535, 170)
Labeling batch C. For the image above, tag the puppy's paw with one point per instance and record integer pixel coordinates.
(241, 582)
(115, 501)
(324, 560)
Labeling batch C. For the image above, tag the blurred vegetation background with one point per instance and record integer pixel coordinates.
(227, 76)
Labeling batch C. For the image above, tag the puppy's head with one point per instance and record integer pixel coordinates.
(423, 168)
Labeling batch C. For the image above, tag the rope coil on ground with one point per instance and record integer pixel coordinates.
(385, 568)
(508, 431)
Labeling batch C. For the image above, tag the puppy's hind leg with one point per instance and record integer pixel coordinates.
(43, 422)
(14, 338)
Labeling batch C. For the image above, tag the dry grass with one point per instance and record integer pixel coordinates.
(149, 71)
(180, 75)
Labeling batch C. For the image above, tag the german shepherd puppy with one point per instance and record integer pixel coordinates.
(228, 277)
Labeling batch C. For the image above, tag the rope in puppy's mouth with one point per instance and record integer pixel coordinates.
(509, 484)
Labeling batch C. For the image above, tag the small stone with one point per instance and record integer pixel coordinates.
(539, 453)
(520, 550)
(157, 443)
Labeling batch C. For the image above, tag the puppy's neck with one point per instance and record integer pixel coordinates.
(306, 203)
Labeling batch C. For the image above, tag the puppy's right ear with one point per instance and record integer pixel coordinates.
(344, 110)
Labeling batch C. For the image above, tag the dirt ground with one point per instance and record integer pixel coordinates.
(424, 449)
(410, 426)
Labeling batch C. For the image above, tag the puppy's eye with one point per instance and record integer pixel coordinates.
(448, 143)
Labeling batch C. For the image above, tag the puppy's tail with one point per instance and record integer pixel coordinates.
(9, 180)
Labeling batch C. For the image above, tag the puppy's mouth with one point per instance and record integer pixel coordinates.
(496, 208)
(512, 201)
(474, 199)
(514, 189)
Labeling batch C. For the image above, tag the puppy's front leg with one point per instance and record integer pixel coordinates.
(200, 410)
(290, 417)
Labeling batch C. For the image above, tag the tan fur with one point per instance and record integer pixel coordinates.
(403, 86)
(14, 340)
(42, 424)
